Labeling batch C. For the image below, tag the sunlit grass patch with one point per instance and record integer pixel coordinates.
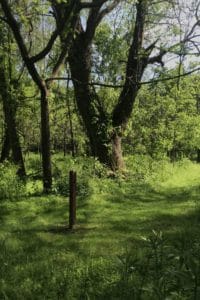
(40, 258)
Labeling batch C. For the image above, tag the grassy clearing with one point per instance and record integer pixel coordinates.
(117, 239)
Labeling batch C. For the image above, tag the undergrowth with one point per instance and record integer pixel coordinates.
(158, 270)
(11, 187)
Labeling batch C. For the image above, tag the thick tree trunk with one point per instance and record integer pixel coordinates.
(13, 135)
(89, 105)
(117, 157)
(97, 123)
(45, 141)
(5, 151)
(9, 108)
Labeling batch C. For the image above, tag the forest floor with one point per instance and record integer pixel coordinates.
(116, 218)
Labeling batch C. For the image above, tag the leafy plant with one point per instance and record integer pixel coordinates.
(11, 187)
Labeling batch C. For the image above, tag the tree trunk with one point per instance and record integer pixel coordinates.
(72, 144)
(45, 141)
(89, 105)
(198, 155)
(13, 136)
(106, 146)
(5, 151)
(96, 123)
(9, 108)
(117, 157)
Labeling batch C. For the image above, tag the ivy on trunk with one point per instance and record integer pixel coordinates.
(105, 131)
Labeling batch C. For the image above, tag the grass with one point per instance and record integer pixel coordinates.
(41, 259)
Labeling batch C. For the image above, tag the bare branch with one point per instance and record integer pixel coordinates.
(107, 10)
(196, 11)
(47, 49)
(157, 58)
(114, 86)
(62, 24)
(151, 46)
(93, 4)
(96, 15)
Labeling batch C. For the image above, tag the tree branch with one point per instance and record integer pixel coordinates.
(107, 10)
(114, 86)
(20, 42)
(62, 24)
(96, 15)
(65, 49)
(157, 58)
(93, 4)
(47, 49)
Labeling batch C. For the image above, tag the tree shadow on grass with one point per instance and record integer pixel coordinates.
(44, 223)
(44, 246)
(132, 211)
(146, 193)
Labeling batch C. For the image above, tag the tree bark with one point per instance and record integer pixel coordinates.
(72, 143)
(107, 146)
(89, 105)
(5, 151)
(9, 109)
(10, 120)
(45, 141)
(117, 156)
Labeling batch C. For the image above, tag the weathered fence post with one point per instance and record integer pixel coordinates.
(72, 199)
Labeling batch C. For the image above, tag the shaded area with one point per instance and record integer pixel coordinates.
(36, 243)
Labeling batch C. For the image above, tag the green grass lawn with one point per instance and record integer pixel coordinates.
(41, 259)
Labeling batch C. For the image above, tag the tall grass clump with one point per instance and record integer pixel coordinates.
(162, 175)
(184, 175)
(11, 187)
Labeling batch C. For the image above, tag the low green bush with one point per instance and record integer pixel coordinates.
(86, 169)
(34, 165)
(61, 186)
(11, 187)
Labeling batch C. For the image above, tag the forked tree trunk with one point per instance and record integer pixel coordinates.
(102, 130)
(103, 145)
(89, 105)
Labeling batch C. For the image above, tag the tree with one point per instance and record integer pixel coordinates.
(105, 130)
(8, 93)
(31, 64)
(165, 120)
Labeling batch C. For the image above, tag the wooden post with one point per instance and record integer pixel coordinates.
(72, 199)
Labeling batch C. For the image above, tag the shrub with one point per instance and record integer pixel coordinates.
(34, 165)
(11, 187)
(61, 186)
(86, 169)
